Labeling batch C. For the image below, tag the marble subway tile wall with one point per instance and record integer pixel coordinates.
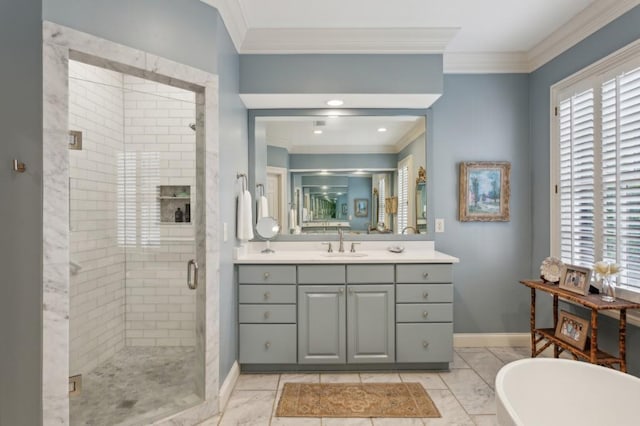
(97, 289)
(160, 309)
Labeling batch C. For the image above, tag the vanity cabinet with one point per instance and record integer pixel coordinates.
(350, 321)
(322, 324)
(370, 323)
(424, 313)
(345, 314)
(267, 314)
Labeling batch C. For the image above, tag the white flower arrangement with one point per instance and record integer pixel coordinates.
(606, 269)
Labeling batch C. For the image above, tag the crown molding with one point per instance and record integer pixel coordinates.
(233, 18)
(595, 16)
(414, 133)
(346, 40)
(485, 63)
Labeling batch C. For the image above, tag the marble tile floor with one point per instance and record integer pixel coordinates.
(464, 395)
(136, 386)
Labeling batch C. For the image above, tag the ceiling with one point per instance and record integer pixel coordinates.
(341, 134)
(474, 36)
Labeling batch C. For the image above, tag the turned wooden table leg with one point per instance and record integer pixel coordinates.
(622, 340)
(556, 349)
(594, 336)
(532, 322)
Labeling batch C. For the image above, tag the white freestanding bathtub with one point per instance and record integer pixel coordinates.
(549, 391)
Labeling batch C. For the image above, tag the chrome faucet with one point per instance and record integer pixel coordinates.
(341, 235)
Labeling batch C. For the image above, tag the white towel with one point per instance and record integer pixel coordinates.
(292, 219)
(244, 221)
(263, 207)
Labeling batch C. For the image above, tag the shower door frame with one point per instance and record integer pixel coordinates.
(60, 44)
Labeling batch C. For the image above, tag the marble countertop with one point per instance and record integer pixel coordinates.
(366, 252)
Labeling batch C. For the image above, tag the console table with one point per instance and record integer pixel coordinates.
(591, 353)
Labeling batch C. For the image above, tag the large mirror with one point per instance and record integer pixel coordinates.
(359, 172)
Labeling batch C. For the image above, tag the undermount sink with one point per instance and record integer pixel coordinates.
(345, 254)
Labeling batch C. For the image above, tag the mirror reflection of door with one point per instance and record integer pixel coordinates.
(276, 199)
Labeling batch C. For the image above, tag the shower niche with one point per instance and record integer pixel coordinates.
(175, 203)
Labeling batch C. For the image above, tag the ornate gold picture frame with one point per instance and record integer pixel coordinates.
(484, 191)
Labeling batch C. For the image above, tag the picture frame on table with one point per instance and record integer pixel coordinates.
(484, 191)
(572, 329)
(575, 279)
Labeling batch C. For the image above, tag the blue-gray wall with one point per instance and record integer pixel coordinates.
(343, 161)
(417, 149)
(277, 157)
(484, 118)
(359, 187)
(192, 33)
(233, 159)
(21, 213)
(341, 74)
(607, 40)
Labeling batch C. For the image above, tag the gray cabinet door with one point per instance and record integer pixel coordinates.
(321, 324)
(371, 323)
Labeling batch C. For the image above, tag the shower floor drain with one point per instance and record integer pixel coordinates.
(127, 403)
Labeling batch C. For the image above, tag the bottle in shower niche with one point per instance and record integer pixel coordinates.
(187, 212)
(179, 215)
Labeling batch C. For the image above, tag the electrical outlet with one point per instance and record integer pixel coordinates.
(439, 225)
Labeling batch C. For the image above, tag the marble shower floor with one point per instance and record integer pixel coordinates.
(464, 395)
(135, 387)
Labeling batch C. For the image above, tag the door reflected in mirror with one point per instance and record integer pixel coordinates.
(332, 161)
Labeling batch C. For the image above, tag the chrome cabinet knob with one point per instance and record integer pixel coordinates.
(425, 344)
(341, 290)
(425, 275)
(267, 314)
(266, 275)
(267, 295)
(425, 314)
(425, 295)
(350, 290)
(267, 345)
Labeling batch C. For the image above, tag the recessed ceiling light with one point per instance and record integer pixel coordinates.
(317, 131)
(325, 187)
(335, 102)
(382, 129)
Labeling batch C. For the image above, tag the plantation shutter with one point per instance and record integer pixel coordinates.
(599, 173)
(621, 174)
(382, 195)
(577, 221)
(403, 196)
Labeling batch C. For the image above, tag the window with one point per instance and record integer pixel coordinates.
(382, 194)
(404, 195)
(596, 165)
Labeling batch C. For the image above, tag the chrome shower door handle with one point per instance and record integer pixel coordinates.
(192, 284)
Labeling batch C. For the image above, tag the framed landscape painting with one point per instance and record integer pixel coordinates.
(484, 191)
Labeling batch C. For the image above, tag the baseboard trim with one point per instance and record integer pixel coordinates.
(228, 385)
(471, 340)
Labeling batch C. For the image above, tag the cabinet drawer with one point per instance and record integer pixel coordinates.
(368, 274)
(266, 274)
(425, 273)
(421, 293)
(321, 274)
(267, 343)
(267, 294)
(274, 314)
(424, 342)
(424, 312)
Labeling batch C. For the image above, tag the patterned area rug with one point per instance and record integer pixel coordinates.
(355, 400)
